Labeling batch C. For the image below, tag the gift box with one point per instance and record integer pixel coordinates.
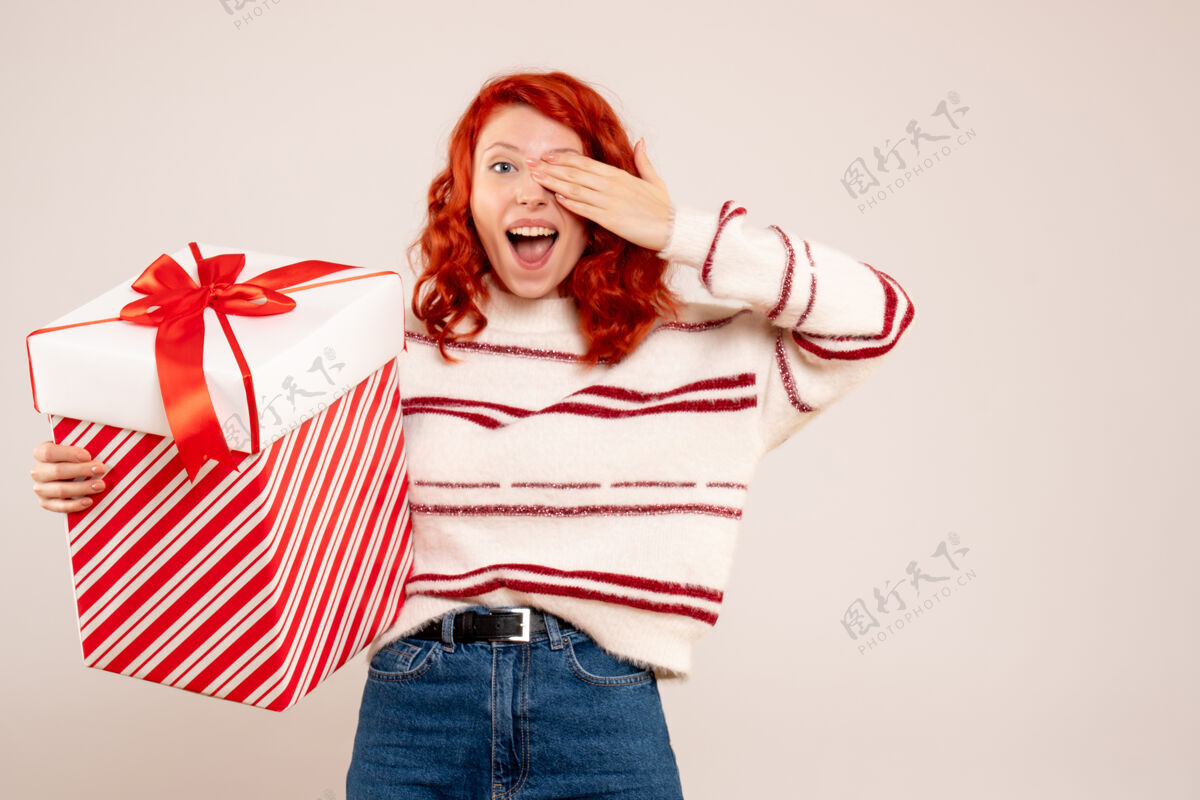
(254, 534)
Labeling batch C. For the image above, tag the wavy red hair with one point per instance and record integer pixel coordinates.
(617, 286)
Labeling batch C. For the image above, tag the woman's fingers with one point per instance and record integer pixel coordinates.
(645, 168)
(66, 506)
(67, 489)
(579, 177)
(60, 462)
(57, 476)
(638, 209)
(46, 471)
(570, 174)
(49, 451)
(579, 165)
(570, 189)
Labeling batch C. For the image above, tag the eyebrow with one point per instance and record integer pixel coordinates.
(511, 147)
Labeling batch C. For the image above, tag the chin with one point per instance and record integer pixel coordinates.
(531, 290)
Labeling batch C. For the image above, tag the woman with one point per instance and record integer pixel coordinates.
(592, 376)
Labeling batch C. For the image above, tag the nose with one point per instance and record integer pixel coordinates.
(530, 192)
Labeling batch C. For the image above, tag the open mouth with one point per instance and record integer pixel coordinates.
(532, 251)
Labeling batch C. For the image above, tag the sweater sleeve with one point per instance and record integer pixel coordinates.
(828, 318)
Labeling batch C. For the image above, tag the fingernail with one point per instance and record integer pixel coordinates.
(531, 162)
(550, 156)
(87, 501)
(97, 486)
(536, 174)
(97, 469)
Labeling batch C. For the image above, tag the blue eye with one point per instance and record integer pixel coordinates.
(499, 163)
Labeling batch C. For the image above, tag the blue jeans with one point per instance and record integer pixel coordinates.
(552, 718)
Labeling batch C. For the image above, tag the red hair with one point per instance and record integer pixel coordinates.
(617, 286)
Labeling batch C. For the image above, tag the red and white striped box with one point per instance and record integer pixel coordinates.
(254, 532)
(250, 584)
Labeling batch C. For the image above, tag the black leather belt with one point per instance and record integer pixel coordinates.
(499, 624)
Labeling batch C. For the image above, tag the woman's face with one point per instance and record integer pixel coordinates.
(506, 198)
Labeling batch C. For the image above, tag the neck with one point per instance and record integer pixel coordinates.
(507, 311)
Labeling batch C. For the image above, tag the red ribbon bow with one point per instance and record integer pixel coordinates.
(175, 304)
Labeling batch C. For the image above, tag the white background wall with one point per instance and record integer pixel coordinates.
(1041, 407)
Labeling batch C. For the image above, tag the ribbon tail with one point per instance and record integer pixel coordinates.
(300, 272)
(247, 380)
(179, 352)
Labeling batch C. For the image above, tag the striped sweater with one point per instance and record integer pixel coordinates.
(611, 495)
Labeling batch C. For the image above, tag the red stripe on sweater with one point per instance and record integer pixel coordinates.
(615, 578)
(620, 393)
(653, 483)
(478, 419)
(889, 316)
(805, 342)
(724, 219)
(812, 284)
(458, 485)
(543, 485)
(699, 406)
(573, 485)
(891, 300)
(567, 591)
(698, 327)
(434, 401)
(785, 374)
(503, 349)
(591, 410)
(812, 299)
(785, 288)
(615, 392)
(496, 510)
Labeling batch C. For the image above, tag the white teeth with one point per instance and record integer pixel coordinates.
(532, 231)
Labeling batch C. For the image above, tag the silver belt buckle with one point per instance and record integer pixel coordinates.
(523, 636)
